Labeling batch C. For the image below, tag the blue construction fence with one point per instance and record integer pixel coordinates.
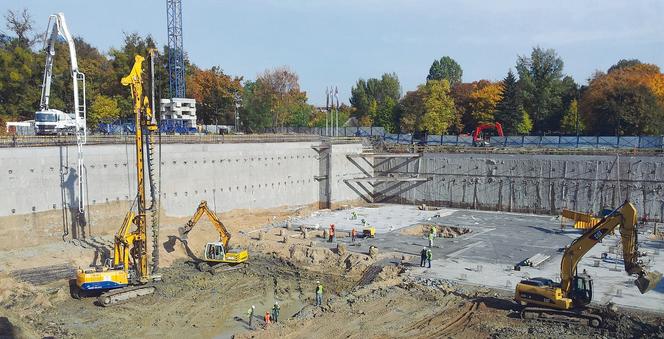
(341, 131)
(645, 142)
(129, 127)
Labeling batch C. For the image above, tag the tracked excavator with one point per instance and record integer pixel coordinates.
(568, 300)
(129, 274)
(217, 256)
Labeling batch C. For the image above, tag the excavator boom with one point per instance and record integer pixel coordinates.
(567, 301)
(203, 209)
(625, 217)
(215, 252)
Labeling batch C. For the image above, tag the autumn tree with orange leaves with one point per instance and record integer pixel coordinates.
(627, 100)
(216, 95)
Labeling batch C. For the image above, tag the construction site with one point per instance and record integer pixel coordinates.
(302, 235)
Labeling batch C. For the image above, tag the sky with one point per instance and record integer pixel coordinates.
(334, 43)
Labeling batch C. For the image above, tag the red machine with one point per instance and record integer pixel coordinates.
(480, 138)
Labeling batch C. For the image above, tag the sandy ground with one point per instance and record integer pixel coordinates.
(365, 297)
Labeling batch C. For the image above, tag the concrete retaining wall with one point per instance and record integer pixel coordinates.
(40, 181)
(531, 183)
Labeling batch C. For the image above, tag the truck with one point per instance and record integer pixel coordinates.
(50, 121)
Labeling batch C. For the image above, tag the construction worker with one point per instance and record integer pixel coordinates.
(332, 235)
(353, 215)
(423, 256)
(429, 256)
(275, 311)
(353, 234)
(319, 294)
(267, 318)
(431, 235)
(433, 229)
(250, 313)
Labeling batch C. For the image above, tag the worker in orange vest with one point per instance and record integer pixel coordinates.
(353, 234)
(267, 318)
(332, 235)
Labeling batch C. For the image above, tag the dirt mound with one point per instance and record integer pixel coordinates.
(443, 231)
(321, 258)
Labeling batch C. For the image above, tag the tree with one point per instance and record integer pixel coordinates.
(256, 104)
(20, 82)
(374, 101)
(410, 111)
(483, 100)
(572, 122)
(216, 95)
(384, 114)
(439, 107)
(103, 110)
(445, 69)
(20, 23)
(526, 124)
(629, 100)
(275, 97)
(624, 63)
(540, 80)
(508, 109)
(430, 108)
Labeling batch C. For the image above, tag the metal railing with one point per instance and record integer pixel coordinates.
(37, 141)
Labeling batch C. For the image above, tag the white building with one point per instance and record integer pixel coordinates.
(179, 109)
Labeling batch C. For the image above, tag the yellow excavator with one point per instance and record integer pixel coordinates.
(128, 274)
(567, 301)
(217, 252)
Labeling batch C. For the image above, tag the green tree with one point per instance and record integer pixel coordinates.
(439, 107)
(103, 109)
(541, 83)
(445, 69)
(572, 122)
(508, 109)
(526, 124)
(385, 115)
(430, 108)
(374, 101)
(20, 82)
(275, 100)
(256, 105)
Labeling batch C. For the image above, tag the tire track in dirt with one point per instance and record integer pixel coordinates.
(459, 323)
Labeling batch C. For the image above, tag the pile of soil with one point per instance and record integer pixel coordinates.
(443, 231)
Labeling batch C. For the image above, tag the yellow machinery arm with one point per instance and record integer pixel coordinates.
(224, 235)
(625, 217)
(581, 220)
(129, 274)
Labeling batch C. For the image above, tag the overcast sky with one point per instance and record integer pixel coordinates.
(337, 42)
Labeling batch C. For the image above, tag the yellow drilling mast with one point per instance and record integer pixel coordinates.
(128, 274)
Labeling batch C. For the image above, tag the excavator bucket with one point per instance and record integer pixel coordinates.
(183, 234)
(648, 281)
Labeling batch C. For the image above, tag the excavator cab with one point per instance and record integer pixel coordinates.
(582, 290)
(214, 251)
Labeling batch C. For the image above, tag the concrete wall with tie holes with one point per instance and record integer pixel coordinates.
(40, 193)
(530, 183)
